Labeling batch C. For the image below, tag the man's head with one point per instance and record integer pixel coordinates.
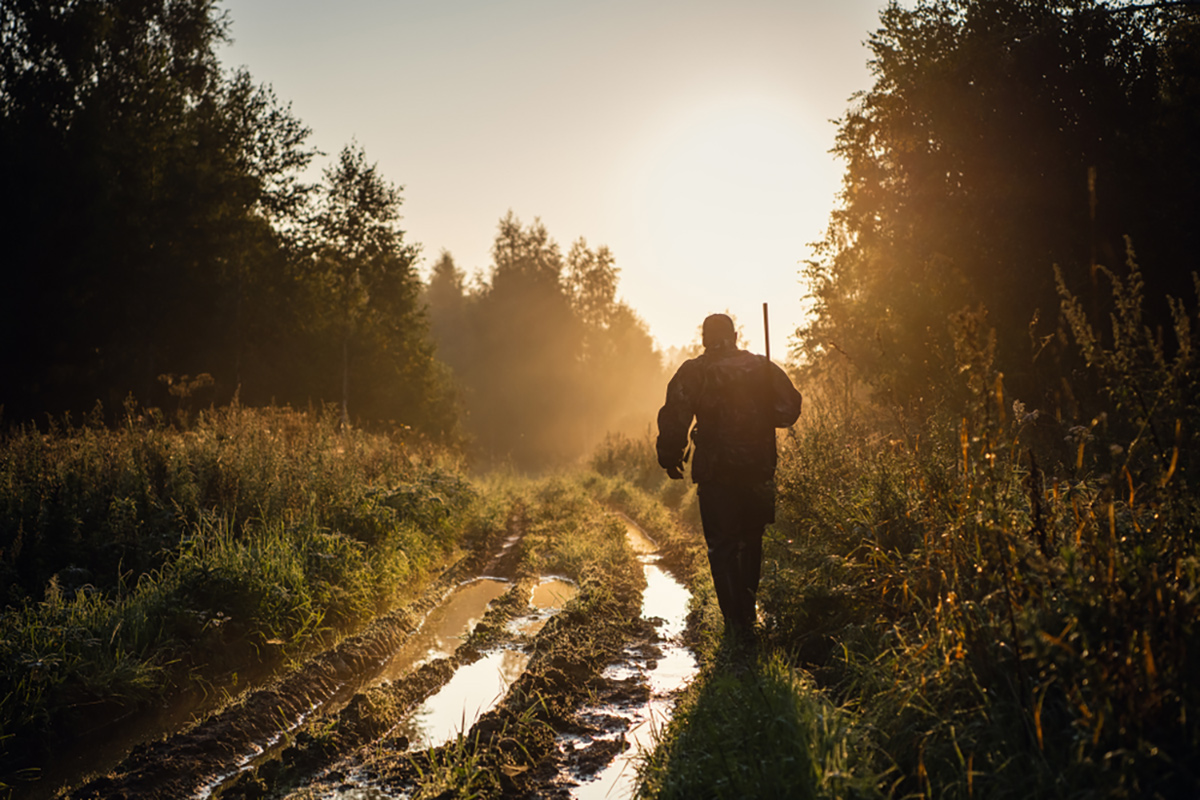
(718, 331)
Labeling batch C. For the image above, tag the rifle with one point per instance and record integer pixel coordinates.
(768, 395)
(766, 332)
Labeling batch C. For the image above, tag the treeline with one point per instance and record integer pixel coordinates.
(1000, 141)
(549, 359)
(161, 242)
(159, 238)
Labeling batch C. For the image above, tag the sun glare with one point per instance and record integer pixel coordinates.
(730, 194)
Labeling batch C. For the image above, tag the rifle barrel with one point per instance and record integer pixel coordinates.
(766, 332)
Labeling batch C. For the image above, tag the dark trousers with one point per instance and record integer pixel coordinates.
(734, 516)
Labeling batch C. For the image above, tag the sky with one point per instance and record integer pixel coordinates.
(690, 137)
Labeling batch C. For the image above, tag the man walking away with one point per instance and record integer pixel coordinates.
(737, 399)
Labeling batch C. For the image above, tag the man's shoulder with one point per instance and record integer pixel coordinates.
(739, 361)
(693, 366)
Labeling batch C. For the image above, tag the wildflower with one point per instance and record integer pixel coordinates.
(1078, 434)
(1020, 416)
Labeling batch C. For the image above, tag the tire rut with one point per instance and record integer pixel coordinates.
(312, 750)
(562, 722)
(184, 764)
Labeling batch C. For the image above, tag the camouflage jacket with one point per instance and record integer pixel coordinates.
(738, 399)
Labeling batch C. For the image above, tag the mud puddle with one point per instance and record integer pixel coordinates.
(441, 631)
(471, 691)
(476, 688)
(548, 597)
(102, 747)
(632, 716)
(444, 628)
(607, 679)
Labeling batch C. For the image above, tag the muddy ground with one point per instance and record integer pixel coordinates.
(322, 731)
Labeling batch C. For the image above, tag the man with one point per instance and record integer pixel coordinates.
(738, 399)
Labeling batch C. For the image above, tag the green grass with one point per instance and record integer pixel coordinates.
(1003, 599)
(139, 559)
(756, 729)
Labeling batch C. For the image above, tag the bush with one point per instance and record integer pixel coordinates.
(1010, 621)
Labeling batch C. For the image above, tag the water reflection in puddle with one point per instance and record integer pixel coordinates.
(665, 599)
(548, 597)
(440, 634)
(665, 602)
(446, 626)
(553, 593)
(476, 688)
(473, 691)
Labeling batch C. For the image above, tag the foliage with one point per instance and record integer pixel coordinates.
(549, 359)
(133, 555)
(1000, 138)
(156, 224)
(996, 563)
(453, 771)
(141, 184)
(362, 290)
(1010, 598)
(633, 482)
(633, 459)
(1151, 386)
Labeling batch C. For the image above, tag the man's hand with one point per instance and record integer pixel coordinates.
(675, 472)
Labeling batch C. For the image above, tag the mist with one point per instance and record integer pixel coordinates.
(547, 359)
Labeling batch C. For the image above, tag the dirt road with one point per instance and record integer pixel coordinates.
(555, 679)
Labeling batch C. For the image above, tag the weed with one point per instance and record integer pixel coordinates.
(764, 731)
(1002, 597)
(135, 557)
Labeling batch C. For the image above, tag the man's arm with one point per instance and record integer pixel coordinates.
(675, 419)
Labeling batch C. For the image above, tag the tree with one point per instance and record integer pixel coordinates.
(1001, 138)
(145, 192)
(364, 295)
(156, 227)
(450, 316)
(623, 369)
(527, 377)
(591, 283)
(549, 359)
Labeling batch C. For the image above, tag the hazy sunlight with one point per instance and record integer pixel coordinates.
(730, 192)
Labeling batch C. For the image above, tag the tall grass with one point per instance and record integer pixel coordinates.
(1007, 593)
(1011, 596)
(138, 558)
(627, 477)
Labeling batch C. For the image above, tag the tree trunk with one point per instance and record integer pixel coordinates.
(346, 381)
